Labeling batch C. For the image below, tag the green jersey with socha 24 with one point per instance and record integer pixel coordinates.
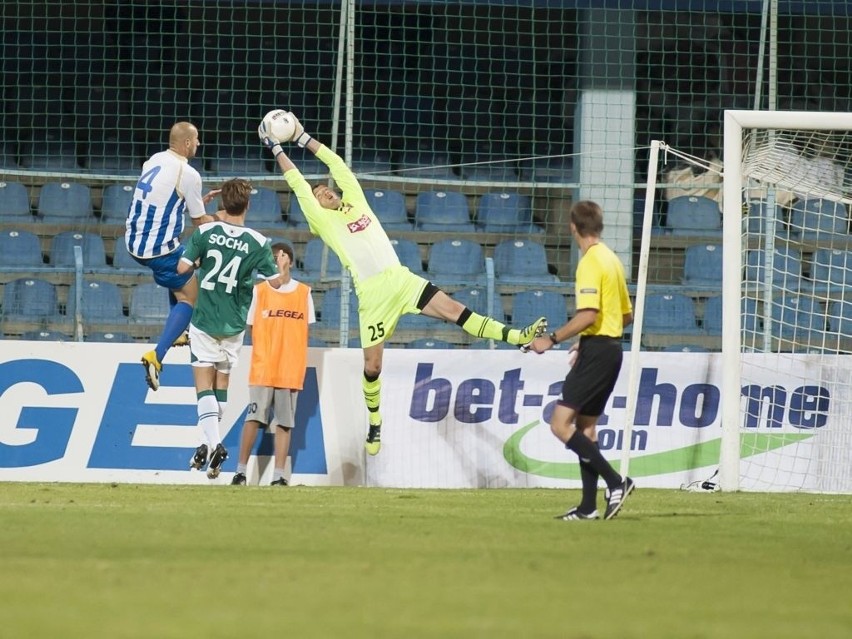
(229, 256)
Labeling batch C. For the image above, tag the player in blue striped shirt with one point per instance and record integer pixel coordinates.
(166, 190)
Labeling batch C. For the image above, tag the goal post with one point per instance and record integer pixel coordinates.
(786, 310)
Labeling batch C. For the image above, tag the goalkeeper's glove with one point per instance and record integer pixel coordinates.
(269, 141)
(300, 136)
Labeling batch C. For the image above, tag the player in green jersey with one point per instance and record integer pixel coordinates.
(226, 254)
(386, 290)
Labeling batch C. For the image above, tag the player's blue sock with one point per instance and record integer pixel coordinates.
(176, 324)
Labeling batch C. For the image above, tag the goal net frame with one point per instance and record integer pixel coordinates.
(735, 122)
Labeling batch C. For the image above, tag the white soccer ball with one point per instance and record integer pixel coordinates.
(280, 124)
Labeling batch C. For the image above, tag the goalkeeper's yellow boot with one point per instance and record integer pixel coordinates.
(183, 340)
(374, 440)
(529, 333)
(152, 368)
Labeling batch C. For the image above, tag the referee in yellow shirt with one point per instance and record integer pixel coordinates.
(603, 310)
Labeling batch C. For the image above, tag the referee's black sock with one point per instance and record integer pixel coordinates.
(589, 477)
(586, 449)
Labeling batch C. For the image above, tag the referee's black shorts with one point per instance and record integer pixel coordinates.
(590, 381)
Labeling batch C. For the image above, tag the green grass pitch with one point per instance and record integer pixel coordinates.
(127, 561)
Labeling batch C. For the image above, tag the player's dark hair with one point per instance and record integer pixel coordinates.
(235, 196)
(284, 248)
(587, 217)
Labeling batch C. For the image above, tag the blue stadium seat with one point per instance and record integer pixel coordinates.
(419, 322)
(693, 215)
(36, 101)
(316, 342)
(522, 262)
(307, 163)
(97, 108)
(786, 268)
(43, 335)
(122, 260)
(712, 323)
(685, 348)
(312, 262)
(756, 221)
(799, 318)
(670, 314)
(112, 157)
(50, 152)
(101, 303)
(210, 208)
(154, 107)
(330, 309)
(20, 249)
(476, 299)
(429, 343)
(218, 111)
(831, 270)
(410, 116)
(528, 306)
(29, 299)
(62, 250)
(116, 203)
(840, 317)
(484, 167)
(456, 262)
(421, 164)
(66, 203)
(443, 211)
(702, 267)
(389, 207)
(553, 169)
(408, 253)
(238, 159)
(295, 215)
(506, 213)
(15, 203)
(149, 304)
(373, 163)
(265, 209)
(8, 156)
(815, 218)
(485, 344)
(109, 337)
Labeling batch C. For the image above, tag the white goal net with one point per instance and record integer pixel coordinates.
(787, 302)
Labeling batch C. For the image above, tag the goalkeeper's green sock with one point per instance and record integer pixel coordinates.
(484, 327)
(372, 387)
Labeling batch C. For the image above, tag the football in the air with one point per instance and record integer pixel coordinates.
(280, 124)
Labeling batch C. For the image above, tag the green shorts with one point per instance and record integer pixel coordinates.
(383, 299)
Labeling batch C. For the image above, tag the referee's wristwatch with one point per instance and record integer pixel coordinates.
(553, 339)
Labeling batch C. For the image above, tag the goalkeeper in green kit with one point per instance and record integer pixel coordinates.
(386, 290)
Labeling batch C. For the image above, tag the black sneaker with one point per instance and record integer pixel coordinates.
(199, 459)
(238, 480)
(616, 497)
(574, 514)
(279, 482)
(220, 454)
(374, 440)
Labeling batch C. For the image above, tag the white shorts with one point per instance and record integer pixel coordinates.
(223, 353)
(272, 406)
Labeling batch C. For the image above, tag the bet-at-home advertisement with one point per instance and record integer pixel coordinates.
(82, 412)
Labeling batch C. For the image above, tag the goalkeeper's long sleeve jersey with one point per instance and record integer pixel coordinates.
(353, 231)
